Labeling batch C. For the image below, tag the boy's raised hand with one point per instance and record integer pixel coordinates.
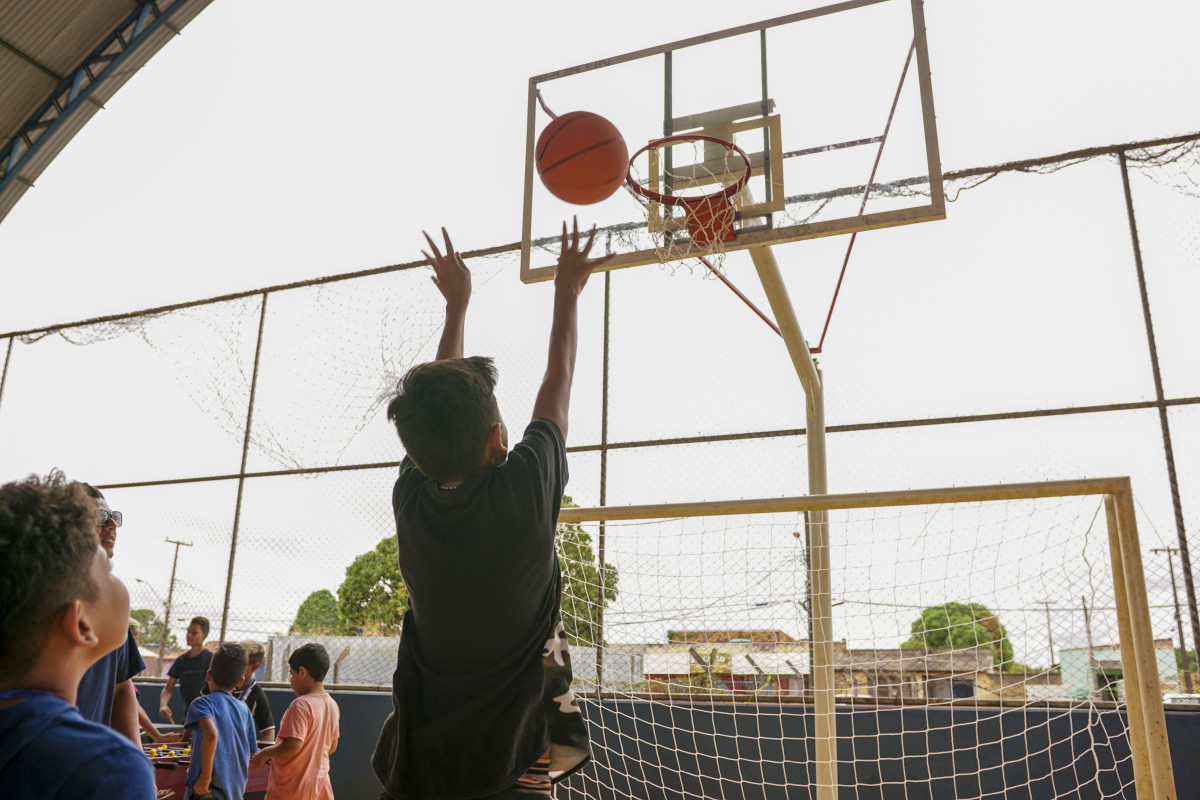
(450, 274)
(574, 266)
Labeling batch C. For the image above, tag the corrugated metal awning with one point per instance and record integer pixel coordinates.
(60, 61)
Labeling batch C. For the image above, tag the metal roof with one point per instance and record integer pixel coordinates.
(60, 61)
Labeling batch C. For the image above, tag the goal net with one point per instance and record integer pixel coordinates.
(987, 643)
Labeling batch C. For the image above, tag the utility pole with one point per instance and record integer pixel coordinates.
(162, 639)
(1049, 633)
(1187, 670)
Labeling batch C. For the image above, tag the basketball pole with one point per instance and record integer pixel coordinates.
(821, 610)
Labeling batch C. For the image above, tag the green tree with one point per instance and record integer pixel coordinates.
(581, 595)
(373, 596)
(318, 615)
(151, 629)
(962, 625)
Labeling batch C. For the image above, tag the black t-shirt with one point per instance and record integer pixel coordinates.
(483, 586)
(256, 698)
(190, 672)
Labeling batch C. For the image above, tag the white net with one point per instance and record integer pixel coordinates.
(976, 655)
(697, 172)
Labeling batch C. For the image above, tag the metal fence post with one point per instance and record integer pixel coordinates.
(237, 510)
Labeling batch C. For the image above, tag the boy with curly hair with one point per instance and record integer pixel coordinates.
(61, 611)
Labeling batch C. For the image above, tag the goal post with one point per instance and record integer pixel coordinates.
(708, 673)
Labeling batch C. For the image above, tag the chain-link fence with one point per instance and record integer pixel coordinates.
(1045, 330)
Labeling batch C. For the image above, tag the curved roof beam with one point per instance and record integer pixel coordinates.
(81, 93)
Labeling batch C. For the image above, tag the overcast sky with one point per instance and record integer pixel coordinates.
(277, 140)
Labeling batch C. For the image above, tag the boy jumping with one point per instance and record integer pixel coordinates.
(482, 705)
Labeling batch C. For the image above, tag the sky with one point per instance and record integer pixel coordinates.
(261, 147)
(274, 142)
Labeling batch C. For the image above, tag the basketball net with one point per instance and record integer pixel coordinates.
(699, 220)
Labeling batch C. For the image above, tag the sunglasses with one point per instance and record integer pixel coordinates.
(115, 516)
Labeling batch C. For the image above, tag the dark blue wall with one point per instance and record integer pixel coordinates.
(363, 714)
(660, 752)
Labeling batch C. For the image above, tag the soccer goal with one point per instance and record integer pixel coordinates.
(986, 642)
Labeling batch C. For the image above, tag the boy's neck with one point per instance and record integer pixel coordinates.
(316, 687)
(57, 671)
(454, 483)
(196, 650)
(62, 690)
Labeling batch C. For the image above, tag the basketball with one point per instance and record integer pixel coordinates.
(582, 158)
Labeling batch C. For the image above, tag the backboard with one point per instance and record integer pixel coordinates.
(834, 106)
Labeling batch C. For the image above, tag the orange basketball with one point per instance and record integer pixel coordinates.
(582, 158)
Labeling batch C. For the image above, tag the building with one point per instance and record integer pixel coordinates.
(902, 673)
(1096, 673)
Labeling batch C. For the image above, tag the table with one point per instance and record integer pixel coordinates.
(170, 770)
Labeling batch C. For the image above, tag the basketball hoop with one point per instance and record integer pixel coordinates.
(710, 217)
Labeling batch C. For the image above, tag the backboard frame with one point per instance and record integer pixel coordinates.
(933, 210)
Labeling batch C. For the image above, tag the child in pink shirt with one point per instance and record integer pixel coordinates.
(308, 734)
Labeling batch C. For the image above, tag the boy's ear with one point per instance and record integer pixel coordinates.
(76, 624)
(497, 448)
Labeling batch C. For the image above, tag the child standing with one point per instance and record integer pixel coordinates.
(189, 669)
(251, 692)
(480, 704)
(308, 734)
(61, 611)
(223, 729)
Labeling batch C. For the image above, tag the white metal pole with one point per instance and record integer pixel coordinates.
(825, 719)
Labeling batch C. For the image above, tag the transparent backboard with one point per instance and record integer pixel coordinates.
(833, 105)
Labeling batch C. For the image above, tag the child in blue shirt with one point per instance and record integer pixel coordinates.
(61, 611)
(222, 730)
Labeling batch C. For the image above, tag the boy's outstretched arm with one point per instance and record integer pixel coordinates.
(284, 748)
(571, 275)
(453, 280)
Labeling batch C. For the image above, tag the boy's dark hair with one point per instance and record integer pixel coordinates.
(202, 622)
(443, 411)
(47, 545)
(228, 665)
(313, 658)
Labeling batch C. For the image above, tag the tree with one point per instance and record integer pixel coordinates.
(151, 629)
(962, 625)
(318, 615)
(581, 600)
(373, 596)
